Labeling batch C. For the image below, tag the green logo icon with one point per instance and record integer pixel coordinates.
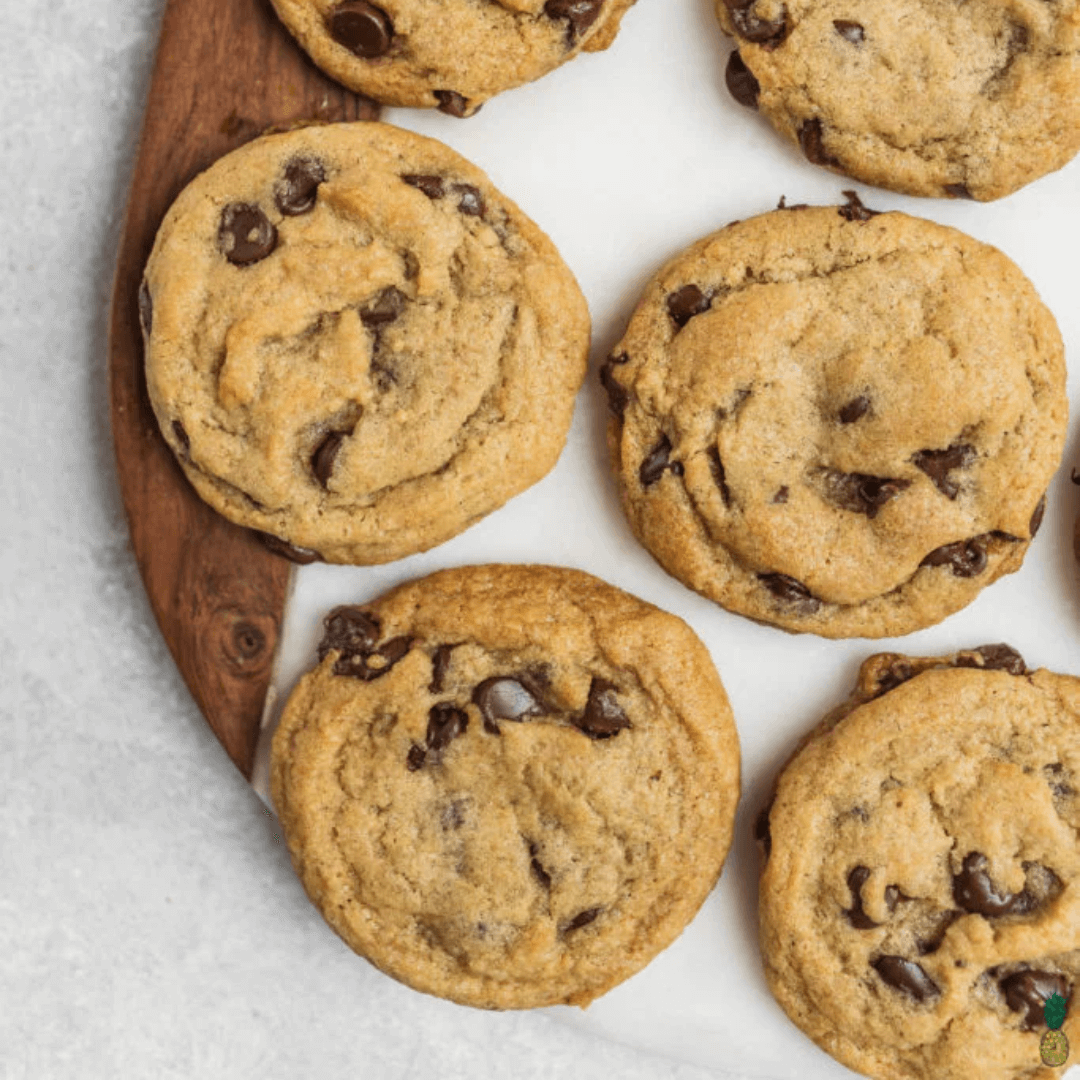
(1054, 1047)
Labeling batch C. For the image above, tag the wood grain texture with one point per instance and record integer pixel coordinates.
(226, 71)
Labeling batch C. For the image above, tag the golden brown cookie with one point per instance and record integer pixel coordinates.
(356, 344)
(838, 421)
(447, 54)
(510, 786)
(920, 900)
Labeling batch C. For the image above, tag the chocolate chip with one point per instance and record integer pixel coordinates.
(855, 914)
(322, 461)
(432, 186)
(536, 866)
(975, 892)
(790, 591)
(295, 193)
(618, 395)
(685, 303)
(782, 205)
(470, 201)
(445, 723)
(505, 698)
(966, 558)
(852, 32)
(897, 673)
(652, 468)
(583, 918)
(853, 209)
(440, 662)
(861, 493)
(1037, 517)
(580, 15)
(719, 476)
(741, 83)
(362, 28)
(416, 757)
(385, 308)
(762, 832)
(812, 143)
(181, 437)
(781, 495)
(937, 464)
(958, 191)
(246, 235)
(907, 976)
(996, 658)
(354, 634)
(857, 407)
(1027, 991)
(751, 27)
(300, 555)
(452, 103)
(603, 716)
(146, 308)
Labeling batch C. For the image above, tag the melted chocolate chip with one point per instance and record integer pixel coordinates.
(893, 676)
(852, 32)
(751, 27)
(470, 201)
(580, 15)
(996, 658)
(862, 494)
(432, 186)
(603, 716)
(741, 83)
(685, 303)
(181, 437)
(812, 143)
(146, 308)
(362, 28)
(583, 918)
(445, 723)
(536, 866)
(452, 103)
(965, 558)
(1037, 517)
(937, 464)
(652, 468)
(297, 191)
(974, 891)
(354, 634)
(907, 976)
(618, 395)
(385, 308)
(416, 757)
(855, 914)
(781, 495)
(1027, 991)
(719, 476)
(506, 698)
(246, 235)
(958, 191)
(853, 209)
(322, 461)
(440, 662)
(300, 555)
(856, 408)
(790, 591)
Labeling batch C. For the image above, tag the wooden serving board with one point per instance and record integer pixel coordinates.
(226, 71)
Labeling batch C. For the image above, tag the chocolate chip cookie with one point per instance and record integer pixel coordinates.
(928, 97)
(447, 54)
(919, 900)
(510, 786)
(837, 421)
(355, 344)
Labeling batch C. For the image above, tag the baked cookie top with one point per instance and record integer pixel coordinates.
(929, 97)
(447, 54)
(837, 421)
(356, 344)
(509, 786)
(921, 895)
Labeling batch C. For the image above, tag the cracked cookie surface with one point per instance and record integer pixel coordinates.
(450, 55)
(355, 344)
(837, 421)
(510, 786)
(920, 898)
(927, 97)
